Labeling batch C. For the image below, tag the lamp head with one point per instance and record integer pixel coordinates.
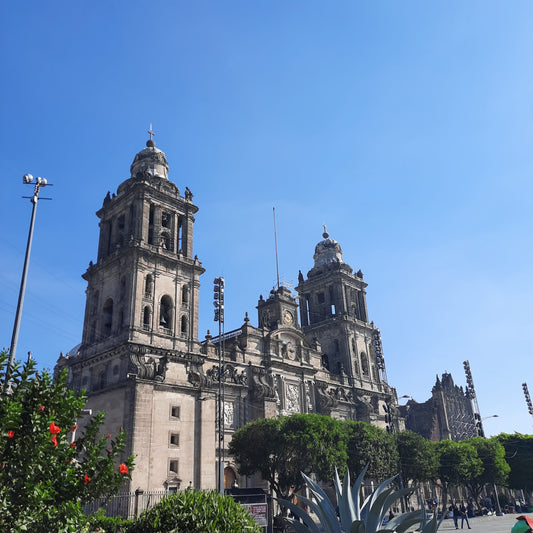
(27, 178)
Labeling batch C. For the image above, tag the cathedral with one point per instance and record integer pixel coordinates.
(141, 361)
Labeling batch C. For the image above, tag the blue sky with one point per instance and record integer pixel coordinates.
(406, 127)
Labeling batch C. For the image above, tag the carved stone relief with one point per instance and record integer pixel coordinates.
(149, 367)
(292, 397)
(229, 415)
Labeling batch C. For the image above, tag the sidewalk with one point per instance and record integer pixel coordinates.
(485, 524)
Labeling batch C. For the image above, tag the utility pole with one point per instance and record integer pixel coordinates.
(218, 295)
(39, 182)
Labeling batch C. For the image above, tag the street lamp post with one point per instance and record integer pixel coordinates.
(39, 182)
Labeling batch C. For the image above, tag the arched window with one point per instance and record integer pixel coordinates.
(230, 478)
(364, 364)
(185, 295)
(180, 236)
(148, 286)
(151, 225)
(147, 317)
(165, 312)
(108, 317)
(184, 325)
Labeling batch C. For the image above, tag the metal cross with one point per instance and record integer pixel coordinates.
(151, 132)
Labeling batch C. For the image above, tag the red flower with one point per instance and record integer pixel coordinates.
(86, 479)
(54, 440)
(41, 408)
(109, 435)
(72, 444)
(54, 428)
(123, 468)
(74, 427)
(10, 433)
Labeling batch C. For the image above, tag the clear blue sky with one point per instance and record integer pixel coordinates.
(405, 126)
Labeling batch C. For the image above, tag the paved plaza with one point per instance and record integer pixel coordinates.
(485, 524)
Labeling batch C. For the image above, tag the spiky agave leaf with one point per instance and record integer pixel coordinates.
(307, 525)
(432, 525)
(391, 497)
(370, 500)
(373, 517)
(358, 526)
(327, 519)
(403, 522)
(325, 510)
(347, 510)
(356, 493)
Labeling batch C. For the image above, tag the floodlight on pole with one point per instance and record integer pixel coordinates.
(218, 296)
(27, 179)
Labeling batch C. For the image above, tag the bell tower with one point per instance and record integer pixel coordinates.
(144, 287)
(333, 312)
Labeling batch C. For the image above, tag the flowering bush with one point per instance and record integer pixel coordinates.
(47, 469)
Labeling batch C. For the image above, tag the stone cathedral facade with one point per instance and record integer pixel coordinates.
(141, 361)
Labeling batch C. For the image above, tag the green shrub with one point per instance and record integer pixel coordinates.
(108, 524)
(194, 511)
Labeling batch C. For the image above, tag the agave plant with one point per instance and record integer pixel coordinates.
(354, 516)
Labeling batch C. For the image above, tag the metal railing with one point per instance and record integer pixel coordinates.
(127, 504)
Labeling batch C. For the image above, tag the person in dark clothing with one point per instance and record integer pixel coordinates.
(464, 516)
(455, 514)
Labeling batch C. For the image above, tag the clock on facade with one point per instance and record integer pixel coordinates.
(287, 317)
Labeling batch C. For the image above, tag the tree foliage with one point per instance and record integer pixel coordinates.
(494, 466)
(372, 446)
(458, 462)
(195, 512)
(418, 461)
(519, 456)
(279, 449)
(45, 478)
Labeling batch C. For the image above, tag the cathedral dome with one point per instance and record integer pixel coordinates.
(327, 251)
(150, 161)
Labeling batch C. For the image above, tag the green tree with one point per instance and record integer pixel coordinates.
(418, 460)
(519, 456)
(495, 468)
(458, 463)
(370, 445)
(279, 449)
(195, 512)
(44, 477)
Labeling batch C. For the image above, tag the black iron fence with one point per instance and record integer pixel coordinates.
(127, 504)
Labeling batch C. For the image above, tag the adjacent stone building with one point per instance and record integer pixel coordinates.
(448, 414)
(142, 363)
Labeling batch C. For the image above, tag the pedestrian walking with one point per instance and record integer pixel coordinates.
(464, 516)
(455, 514)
